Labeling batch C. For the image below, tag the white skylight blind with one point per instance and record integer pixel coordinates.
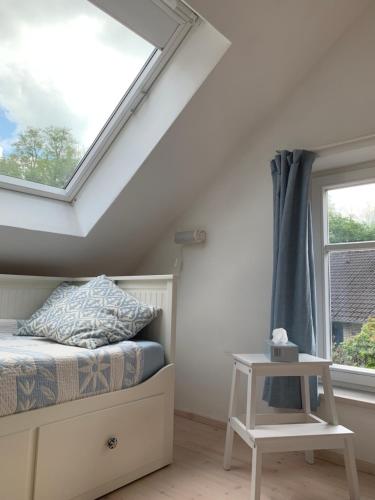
(71, 74)
(153, 21)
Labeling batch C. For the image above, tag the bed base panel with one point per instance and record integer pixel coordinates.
(20, 434)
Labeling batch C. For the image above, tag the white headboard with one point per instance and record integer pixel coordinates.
(20, 296)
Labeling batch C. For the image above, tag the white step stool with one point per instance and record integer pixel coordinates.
(293, 431)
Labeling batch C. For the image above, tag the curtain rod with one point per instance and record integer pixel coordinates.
(333, 145)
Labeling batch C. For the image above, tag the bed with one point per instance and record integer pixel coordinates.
(78, 423)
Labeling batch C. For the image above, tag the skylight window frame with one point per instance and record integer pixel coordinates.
(132, 99)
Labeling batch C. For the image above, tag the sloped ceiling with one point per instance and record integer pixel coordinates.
(274, 45)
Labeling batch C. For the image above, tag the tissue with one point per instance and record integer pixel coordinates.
(279, 336)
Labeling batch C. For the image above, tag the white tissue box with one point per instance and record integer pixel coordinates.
(287, 353)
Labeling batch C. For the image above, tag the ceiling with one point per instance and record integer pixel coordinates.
(274, 46)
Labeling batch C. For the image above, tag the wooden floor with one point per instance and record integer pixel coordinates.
(197, 473)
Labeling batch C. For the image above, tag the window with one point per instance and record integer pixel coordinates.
(344, 220)
(71, 75)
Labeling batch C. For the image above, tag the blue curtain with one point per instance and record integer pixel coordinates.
(293, 287)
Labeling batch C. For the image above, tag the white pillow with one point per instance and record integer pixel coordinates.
(8, 326)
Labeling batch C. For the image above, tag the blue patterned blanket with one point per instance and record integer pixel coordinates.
(36, 372)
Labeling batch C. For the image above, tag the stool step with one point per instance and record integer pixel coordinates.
(297, 430)
(293, 437)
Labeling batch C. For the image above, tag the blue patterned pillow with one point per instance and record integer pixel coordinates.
(34, 325)
(96, 314)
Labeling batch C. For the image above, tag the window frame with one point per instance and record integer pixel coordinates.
(126, 108)
(342, 375)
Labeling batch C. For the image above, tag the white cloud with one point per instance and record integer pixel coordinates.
(64, 63)
(356, 201)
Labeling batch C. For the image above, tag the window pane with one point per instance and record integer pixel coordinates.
(351, 214)
(352, 294)
(64, 67)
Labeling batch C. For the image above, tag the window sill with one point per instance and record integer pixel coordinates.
(354, 397)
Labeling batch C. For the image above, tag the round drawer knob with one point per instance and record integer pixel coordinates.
(112, 443)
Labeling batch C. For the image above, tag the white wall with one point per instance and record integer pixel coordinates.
(224, 288)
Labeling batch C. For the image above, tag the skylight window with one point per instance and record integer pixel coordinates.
(67, 72)
(64, 67)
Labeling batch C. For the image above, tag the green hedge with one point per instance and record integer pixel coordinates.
(358, 350)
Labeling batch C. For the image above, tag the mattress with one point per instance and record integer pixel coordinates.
(36, 372)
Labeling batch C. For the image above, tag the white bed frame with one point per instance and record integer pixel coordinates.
(63, 452)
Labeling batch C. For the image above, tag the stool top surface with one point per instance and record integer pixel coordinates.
(262, 359)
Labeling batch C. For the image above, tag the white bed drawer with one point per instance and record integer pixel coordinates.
(73, 457)
(15, 466)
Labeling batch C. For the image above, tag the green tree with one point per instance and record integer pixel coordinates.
(358, 350)
(48, 156)
(343, 228)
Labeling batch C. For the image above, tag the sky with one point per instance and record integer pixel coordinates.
(63, 63)
(357, 201)
(7, 131)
